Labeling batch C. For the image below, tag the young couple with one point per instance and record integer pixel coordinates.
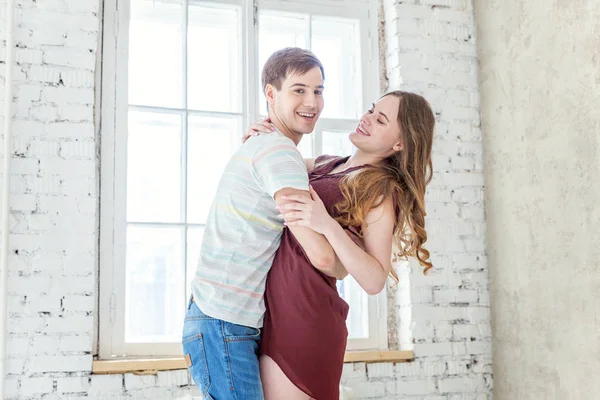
(265, 319)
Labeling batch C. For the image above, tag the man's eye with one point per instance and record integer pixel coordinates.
(300, 91)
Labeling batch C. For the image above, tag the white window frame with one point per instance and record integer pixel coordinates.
(114, 109)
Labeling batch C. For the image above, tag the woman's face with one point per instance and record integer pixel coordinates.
(378, 132)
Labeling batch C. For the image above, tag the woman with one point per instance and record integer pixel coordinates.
(379, 193)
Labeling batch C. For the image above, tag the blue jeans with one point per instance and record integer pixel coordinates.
(222, 357)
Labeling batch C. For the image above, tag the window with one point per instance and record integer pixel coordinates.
(180, 84)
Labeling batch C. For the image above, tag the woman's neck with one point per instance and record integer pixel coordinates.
(359, 158)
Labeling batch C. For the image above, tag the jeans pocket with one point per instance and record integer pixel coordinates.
(195, 355)
(234, 332)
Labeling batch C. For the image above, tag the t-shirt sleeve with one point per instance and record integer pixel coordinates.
(278, 165)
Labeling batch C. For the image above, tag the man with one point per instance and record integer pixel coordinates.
(243, 231)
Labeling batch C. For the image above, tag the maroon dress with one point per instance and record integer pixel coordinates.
(304, 329)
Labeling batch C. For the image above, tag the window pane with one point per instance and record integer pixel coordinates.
(336, 42)
(194, 242)
(358, 317)
(277, 30)
(155, 53)
(211, 142)
(337, 143)
(154, 167)
(154, 298)
(214, 59)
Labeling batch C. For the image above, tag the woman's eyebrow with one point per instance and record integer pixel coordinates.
(386, 117)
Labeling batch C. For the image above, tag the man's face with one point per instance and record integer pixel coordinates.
(299, 103)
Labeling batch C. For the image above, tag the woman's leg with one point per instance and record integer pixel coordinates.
(276, 385)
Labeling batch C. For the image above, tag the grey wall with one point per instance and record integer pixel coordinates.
(540, 100)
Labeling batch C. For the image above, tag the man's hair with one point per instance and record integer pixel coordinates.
(291, 60)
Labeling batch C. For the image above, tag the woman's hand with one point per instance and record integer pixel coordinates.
(302, 211)
(261, 126)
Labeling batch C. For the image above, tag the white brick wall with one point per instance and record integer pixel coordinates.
(430, 49)
(53, 242)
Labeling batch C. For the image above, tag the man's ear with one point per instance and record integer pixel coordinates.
(270, 93)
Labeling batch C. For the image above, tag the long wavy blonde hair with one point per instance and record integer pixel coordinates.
(403, 176)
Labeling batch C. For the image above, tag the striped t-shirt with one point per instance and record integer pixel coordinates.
(243, 229)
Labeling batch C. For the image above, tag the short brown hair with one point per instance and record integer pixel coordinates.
(290, 60)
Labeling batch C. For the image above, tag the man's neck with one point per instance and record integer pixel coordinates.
(294, 136)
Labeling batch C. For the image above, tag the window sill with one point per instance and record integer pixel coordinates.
(152, 365)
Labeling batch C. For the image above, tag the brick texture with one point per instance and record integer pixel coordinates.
(430, 49)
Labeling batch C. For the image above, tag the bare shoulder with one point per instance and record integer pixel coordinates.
(383, 212)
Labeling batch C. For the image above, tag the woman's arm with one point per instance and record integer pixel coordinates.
(339, 271)
(370, 267)
(316, 247)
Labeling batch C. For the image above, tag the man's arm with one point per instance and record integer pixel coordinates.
(317, 248)
(281, 171)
